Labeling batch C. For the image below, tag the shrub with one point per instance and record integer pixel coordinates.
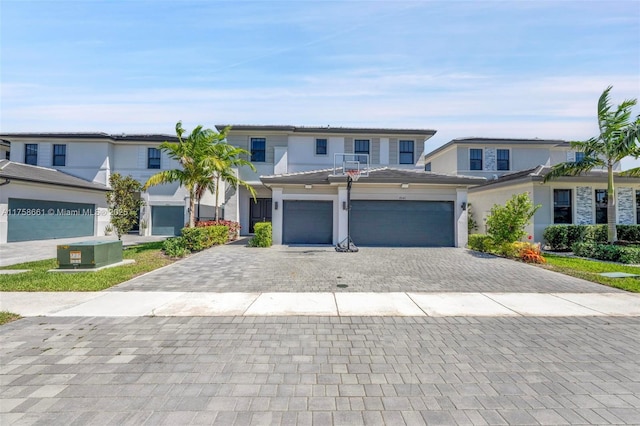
(480, 242)
(629, 233)
(596, 234)
(234, 227)
(200, 238)
(563, 237)
(506, 223)
(175, 247)
(262, 236)
(610, 252)
(530, 253)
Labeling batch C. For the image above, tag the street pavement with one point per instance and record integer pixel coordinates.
(305, 335)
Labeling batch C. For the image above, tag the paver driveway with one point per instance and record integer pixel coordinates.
(324, 370)
(236, 268)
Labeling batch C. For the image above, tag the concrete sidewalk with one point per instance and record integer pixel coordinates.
(177, 304)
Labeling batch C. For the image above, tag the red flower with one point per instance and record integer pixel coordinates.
(530, 237)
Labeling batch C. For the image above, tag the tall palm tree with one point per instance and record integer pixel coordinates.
(195, 155)
(619, 137)
(229, 158)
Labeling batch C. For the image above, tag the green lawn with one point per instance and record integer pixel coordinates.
(147, 256)
(590, 270)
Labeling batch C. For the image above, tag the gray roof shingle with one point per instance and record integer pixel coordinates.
(27, 173)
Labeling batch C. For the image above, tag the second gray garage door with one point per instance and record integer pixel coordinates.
(307, 222)
(402, 223)
(167, 220)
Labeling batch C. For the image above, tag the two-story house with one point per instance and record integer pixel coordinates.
(514, 166)
(63, 178)
(301, 188)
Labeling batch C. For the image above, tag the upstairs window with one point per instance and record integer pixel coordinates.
(31, 154)
(59, 155)
(475, 159)
(321, 147)
(361, 146)
(153, 158)
(406, 152)
(427, 167)
(562, 212)
(579, 156)
(503, 159)
(258, 150)
(601, 205)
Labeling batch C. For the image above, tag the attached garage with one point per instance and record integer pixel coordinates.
(402, 223)
(307, 222)
(167, 220)
(42, 220)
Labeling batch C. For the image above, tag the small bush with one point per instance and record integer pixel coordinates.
(609, 252)
(530, 253)
(175, 247)
(595, 234)
(506, 223)
(234, 227)
(563, 237)
(630, 233)
(480, 242)
(262, 236)
(200, 238)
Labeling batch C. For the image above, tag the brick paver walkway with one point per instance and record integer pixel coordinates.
(321, 370)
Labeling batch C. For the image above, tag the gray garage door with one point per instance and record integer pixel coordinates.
(402, 223)
(307, 222)
(41, 220)
(167, 220)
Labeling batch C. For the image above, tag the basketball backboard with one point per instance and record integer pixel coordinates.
(344, 163)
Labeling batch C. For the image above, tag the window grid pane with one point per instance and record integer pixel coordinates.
(475, 159)
(503, 159)
(321, 147)
(562, 212)
(579, 156)
(258, 150)
(153, 158)
(31, 154)
(59, 155)
(361, 146)
(406, 152)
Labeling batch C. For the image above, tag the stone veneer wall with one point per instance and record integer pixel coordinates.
(625, 206)
(584, 205)
(490, 159)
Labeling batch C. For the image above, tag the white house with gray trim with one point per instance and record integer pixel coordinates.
(514, 166)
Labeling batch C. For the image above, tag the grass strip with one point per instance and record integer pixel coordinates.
(590, 270)
(6, 317)
(147, 257)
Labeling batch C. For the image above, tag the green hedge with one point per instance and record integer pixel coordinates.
(262, 237)
(563, 237)
(610, 252)
(195, 239)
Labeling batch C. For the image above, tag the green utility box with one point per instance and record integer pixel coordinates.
(89, 254)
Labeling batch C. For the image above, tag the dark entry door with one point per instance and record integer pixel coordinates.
(260, 211)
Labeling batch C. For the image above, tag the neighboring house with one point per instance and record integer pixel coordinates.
(41, 203)
(93, 157)
(514, 166)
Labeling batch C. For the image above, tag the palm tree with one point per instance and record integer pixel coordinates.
(618, 138)
(229, 157)
(195, 155)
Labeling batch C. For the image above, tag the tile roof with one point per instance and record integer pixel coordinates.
(327, 129)
(10, 171)
(378, 175)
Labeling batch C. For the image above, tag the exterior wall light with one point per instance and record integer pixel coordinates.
(463, 206)
(404, 186)
(275, 205)
(308, 186)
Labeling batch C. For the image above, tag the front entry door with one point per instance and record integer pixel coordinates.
(260, 211)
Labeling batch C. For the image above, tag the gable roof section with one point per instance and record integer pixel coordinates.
(379, 175)
(537, 174)
(10, 171)
(327, 129)
(497, 141)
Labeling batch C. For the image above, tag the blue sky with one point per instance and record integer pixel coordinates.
(463, 68)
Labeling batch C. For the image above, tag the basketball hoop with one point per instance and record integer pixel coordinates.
(354, 174)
